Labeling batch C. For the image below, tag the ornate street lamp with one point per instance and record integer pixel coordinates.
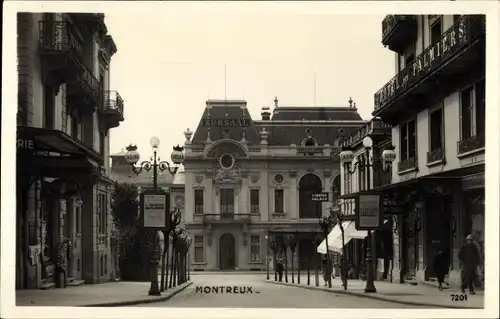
(292, 242)
(346, 158)
(326, 224)
(132, 157)
(274, 249)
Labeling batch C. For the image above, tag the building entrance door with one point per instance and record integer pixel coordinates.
(227, 258)
(74, 236)
(438, 229)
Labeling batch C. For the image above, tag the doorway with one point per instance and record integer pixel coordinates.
(227, 258)
(73, 233)
(438, 230)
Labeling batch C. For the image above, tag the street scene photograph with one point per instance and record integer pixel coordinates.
(191, 158)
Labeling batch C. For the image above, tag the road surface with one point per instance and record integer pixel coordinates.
(252, 292)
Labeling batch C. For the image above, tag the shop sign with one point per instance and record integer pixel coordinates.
(319, 197)
(226, 122)
(473, 182)
(25, 144)
(433, 56)
(369, 212)
(154, 210)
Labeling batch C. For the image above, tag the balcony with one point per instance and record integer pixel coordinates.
(84, 91)
(398, 31)
(470, 144)
(310, 150)
(226, 218)
(449, 62)
(111, 110)
(435, 156)
(407, 165)
(61, 51)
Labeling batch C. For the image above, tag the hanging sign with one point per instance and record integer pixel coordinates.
(319, 197)
(369, 212)
(154, 210)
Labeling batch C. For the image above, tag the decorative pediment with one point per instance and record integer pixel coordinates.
(226, 146)
(227, 176)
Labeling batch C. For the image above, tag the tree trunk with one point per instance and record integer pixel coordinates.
(163, 266)
(274, 267)
(293, 275)
(298, 270)
(286, 267)
(316, 270)
(172, 266)
(309, 271)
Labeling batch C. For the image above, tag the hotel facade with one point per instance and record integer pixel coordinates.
(65, 113)
(435, 105)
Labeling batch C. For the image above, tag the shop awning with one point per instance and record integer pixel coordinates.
(53, 153)
(335, 237)
(38, 139)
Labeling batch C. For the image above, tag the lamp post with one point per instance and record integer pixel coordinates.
(267, 256)
(292, 242)
(326, 223)
(188, 256)
(132, 157)
(274, 249)
(346, 158)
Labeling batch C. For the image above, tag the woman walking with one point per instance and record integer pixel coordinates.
(441, 266)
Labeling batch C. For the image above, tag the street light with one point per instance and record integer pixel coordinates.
(188, 256)
(267, 256)
(292, 242)
(346, 158)
(132, 157)
(326, 224)
(274, 248)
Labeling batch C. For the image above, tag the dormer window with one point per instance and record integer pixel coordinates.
(309, 142)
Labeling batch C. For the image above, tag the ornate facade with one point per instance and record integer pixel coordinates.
(250, 181)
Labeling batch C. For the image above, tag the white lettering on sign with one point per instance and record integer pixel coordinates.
(25, 144)
(369, 211)
(320, 197)
(155, 211)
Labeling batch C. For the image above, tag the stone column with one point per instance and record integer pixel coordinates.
(266, 205)
(294, 197)
(26, 60)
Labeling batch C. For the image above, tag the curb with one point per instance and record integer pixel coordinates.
(376, 297)
(141, 301)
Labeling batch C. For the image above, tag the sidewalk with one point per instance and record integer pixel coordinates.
(112, 294)
(419, 295)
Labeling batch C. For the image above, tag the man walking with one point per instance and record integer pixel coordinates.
(279, 269)
(470, 258)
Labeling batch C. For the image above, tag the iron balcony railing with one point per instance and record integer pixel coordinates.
(375, 125)
(226, 218)
(113, 101)
(470, 144)
(91, 84)
(407, 164)
(435, 155)
(463, 32)
(310, 150)
(391, 21)
(59, 36)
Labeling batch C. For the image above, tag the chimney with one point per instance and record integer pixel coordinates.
(266, 114)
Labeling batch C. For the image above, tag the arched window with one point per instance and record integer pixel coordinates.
(308, 185)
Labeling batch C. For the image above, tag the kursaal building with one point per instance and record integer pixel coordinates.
(251, 181)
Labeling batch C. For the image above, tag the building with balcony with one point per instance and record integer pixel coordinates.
(247, 179)
(436, 106)
(357, 178)
(66, 108)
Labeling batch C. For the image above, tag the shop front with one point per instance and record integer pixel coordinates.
(56, 176)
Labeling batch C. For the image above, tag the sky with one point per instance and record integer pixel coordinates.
(169, 62)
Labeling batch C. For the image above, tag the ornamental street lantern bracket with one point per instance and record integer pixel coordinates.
(132, 157)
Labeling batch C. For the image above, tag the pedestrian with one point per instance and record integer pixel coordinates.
(279, 269)
(327, 269)
(470, 258)
(441, 266)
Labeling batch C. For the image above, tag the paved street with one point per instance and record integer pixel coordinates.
(264, 295)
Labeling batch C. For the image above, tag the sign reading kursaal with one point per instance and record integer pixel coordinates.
(319, 197)
(451, 41)
(154, 210)
(368, 212)
(226, 122)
